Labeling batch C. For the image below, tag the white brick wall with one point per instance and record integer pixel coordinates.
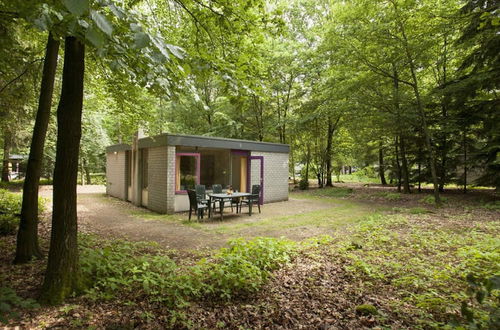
(275, 176)
(158, 179)
(115, 174)
(170, 179)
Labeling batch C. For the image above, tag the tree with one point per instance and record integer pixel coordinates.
(27, 237)
(62, 277)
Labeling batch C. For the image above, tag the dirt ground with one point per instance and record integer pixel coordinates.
(113, 218)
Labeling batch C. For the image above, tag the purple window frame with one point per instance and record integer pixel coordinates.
(198, 163)
(261, 158)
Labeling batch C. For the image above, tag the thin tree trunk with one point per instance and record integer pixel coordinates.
(464, 142)
(329, 142)
(420, 107)
(308, 160)
(7, 139)
(381, 166)
(404, 166)
(88, 179)
(444, 111)
(27, 236)
(62, 277)
(419, 169)
(398, 166)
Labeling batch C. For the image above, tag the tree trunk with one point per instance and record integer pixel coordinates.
(404, 166)
(464, 142)
(6, 154)
(62, 277)
(329, 142)
(381, 166)
(308, 160)
(419, 169)
(88, 179)
(420, 107)
(27, 236)
(444, 111)
(398, 166)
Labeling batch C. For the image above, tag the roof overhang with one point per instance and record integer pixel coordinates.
(118, 147)
(211, 142)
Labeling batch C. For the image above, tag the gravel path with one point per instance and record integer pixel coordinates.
(114, 218)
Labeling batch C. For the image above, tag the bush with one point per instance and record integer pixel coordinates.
(8, 224)
(10, 203)
(10, 300)
(245, 266)
(332, 192)
(368, 172)
(304, 184)
(138, 271)
(98, 178)
(429, 199)
(10, 209)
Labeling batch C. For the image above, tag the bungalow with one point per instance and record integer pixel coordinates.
(155, 172)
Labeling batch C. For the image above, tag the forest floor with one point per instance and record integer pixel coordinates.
(357, 245)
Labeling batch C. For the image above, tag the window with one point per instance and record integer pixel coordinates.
(187, 171)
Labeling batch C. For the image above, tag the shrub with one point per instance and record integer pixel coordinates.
(368, 172)
(392, 196)
(98, 178)
(121, 267)
(333, 192)
(304, 184)
(10, 300)
(245, 266)
(495, 205)
(10, 203)
(10, 209)
(429, 199)
(8, 224)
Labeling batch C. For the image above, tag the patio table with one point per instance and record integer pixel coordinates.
(223, 196)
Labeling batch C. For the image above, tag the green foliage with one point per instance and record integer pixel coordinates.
(429, 200)
(9, 301)
(10, 203)
(139, 271)
(304, 184)
(8, 224)
(391, 196)
(10, 210)
(366, 309)
(495, 205)
(332, 192)
(244, 266)
(367, 172)
(425, 265)
(479, 290)
(418, 210)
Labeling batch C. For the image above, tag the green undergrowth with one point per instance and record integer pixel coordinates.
(425, 264)
(10, 302)
(140, 272)
(10, 209)
(338, 192)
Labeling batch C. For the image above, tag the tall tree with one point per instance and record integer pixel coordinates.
(27, 236)
(62, 277)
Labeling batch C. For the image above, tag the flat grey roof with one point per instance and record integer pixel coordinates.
(211, 142)
(118, 147)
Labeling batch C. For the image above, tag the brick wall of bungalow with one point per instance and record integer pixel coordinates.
(275, 176)
(116, 174)
(158, 169)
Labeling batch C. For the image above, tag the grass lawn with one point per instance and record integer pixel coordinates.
(377, 259)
